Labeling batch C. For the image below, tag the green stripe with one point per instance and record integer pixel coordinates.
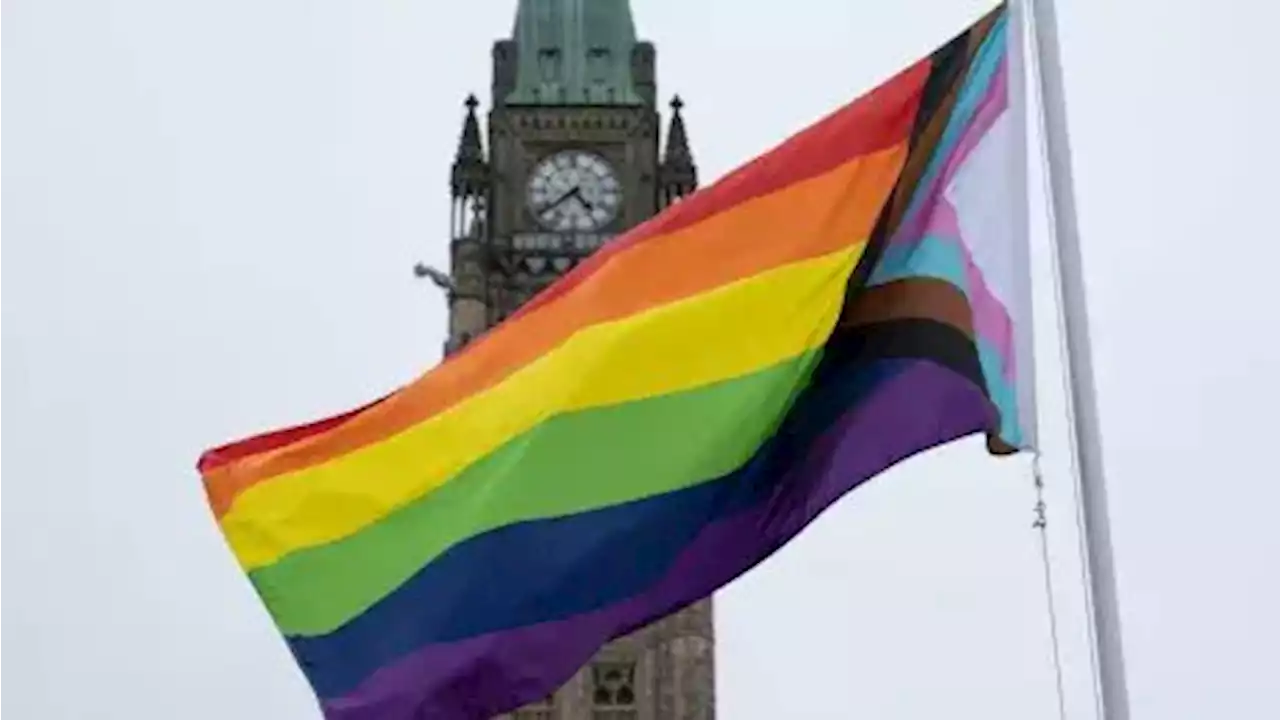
(570, 463)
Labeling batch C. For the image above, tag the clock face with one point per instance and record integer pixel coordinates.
(574, 191)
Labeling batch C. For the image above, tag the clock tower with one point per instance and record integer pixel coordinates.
(574, 160)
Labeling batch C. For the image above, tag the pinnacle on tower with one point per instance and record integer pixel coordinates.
(678, 172)
(677, 154)
(470, 171)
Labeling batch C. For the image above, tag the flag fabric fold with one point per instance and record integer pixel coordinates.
(688, 398)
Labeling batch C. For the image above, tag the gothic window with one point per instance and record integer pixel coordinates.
(613, 691)
(598, 65)
(476, 222)
(549, 64)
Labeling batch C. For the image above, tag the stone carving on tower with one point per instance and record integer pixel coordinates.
(573, 161)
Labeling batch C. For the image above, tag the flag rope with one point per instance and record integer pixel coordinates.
(1042, 147)
(1041, 524)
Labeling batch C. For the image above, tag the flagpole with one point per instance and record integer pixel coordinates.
(1079, 366)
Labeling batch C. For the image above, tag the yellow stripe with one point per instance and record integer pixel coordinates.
(731, 331)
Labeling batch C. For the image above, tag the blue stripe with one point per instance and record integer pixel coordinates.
(1001, 391)
(547, 570)
(933, 256)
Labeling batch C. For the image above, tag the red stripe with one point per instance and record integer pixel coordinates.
(219, 456)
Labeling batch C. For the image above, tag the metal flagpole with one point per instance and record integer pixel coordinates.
(1079, 364)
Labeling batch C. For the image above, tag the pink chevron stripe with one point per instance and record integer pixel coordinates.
(991, 319)
(991, 107)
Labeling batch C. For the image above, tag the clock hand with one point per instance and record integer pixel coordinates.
(585, 203)
(560, 200)
(575, 192)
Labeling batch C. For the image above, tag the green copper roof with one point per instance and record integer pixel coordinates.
(574, 52)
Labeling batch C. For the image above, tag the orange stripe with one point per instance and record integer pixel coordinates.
(805, 220)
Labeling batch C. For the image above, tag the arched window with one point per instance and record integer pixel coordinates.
(613, 691)
(598, 61)
(549, 64)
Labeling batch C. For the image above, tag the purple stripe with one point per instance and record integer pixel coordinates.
(923, 406)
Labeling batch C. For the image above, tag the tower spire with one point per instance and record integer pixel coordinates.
(574, 52)
(470, 171)
(679, 175)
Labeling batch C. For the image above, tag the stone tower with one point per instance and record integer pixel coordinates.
(573, 160)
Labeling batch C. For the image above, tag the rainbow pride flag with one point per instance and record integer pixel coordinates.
(689, 398)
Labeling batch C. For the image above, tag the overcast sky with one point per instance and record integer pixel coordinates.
(211, 213)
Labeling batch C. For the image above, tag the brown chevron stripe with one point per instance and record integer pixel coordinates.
(912, 298)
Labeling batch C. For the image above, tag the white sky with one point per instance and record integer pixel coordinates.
(212, 209)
